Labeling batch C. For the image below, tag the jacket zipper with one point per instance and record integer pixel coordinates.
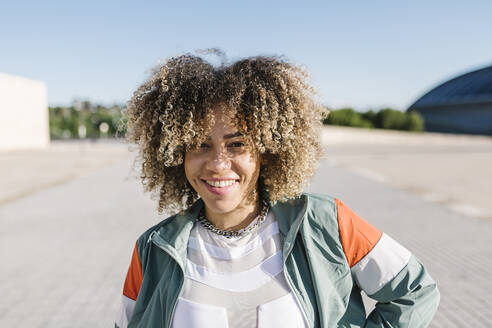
(289, 281)
(296, 297)
(182, 282)
(175, 304)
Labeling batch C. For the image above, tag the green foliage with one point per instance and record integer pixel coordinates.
(347, 117)
(370, 116)
(415, 121)
(385, 118)
(84, 120)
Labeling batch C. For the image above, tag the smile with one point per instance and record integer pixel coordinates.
(221, 183)
(220, 187)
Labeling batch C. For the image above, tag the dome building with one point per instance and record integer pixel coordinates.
(460, 105)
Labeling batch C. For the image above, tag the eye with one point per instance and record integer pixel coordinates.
(236, 144)
(204, 145)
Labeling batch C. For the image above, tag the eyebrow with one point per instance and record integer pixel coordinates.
(233, 135)
(230, 135)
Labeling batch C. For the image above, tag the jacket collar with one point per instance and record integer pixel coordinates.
(290, 214)
(173, 235)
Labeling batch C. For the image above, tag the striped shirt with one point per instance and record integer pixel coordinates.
(236, 282)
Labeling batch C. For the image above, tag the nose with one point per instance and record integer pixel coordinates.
(219, 160)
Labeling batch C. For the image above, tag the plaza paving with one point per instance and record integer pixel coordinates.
(65, 245)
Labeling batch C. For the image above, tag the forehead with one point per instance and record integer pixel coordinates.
(223, 119)
(224, 128)
(219, 123)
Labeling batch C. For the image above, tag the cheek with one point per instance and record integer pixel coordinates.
(189, 166)
(251, 167)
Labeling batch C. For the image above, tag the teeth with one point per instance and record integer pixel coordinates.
(221, 184)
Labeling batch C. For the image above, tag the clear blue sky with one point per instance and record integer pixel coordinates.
(359, 53)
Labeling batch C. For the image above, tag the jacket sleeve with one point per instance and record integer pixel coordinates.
(131, 289)
(386, 271)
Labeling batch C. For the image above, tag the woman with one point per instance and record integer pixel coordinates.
(230, 149)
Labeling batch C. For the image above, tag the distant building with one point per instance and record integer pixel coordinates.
(24, 121)
(460, 105)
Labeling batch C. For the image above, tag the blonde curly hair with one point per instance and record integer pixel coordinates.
(268, 99)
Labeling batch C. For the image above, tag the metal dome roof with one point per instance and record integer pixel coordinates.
(469, 88)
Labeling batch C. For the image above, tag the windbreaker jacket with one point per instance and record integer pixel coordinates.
(330, 254)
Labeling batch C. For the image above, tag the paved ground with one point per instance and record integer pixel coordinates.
(65, 248)
(24, 172)
(453, 170)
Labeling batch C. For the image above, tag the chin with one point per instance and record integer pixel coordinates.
(220, 206)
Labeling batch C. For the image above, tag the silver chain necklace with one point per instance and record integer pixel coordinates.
(231, 233)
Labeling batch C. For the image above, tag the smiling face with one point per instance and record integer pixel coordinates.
(223, 171)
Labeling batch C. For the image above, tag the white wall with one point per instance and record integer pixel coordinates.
(23, 113)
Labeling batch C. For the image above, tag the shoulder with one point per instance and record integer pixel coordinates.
(321, 201)
(320, 218)
(321, 208)
(144, 238)
(334, 220)
(328, 208)
(171, 228)
(358, 236)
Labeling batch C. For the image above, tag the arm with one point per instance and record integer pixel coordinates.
(387, 272)
(131, 289)
(410, 299)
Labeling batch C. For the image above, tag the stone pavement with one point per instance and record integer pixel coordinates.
(65, 249)
(453, 170)
(61, 161)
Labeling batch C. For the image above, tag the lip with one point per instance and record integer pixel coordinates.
(220, 191)
(218, 179)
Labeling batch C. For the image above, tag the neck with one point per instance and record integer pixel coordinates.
(236, 219)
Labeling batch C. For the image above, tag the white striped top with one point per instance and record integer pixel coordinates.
(236, 282)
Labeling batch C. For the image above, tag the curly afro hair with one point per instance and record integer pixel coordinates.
(268, 99)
